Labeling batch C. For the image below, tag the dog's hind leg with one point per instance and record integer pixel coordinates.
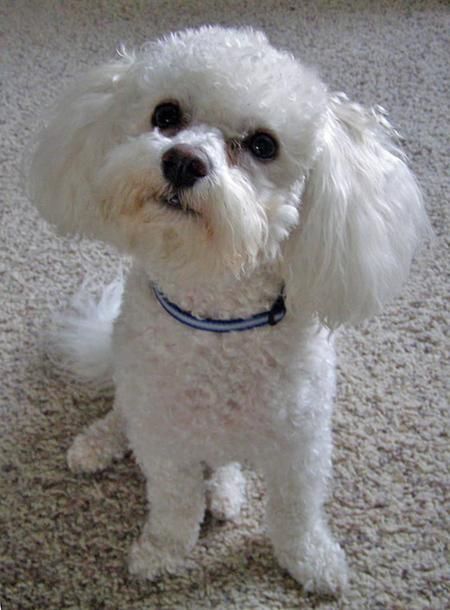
(225, 491)
(97, 446)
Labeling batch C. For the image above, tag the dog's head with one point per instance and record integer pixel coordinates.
(210, 152)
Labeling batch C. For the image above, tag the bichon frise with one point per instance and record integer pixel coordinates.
(261, 212)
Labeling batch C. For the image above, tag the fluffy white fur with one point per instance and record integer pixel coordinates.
(79, 340)
(335, 217)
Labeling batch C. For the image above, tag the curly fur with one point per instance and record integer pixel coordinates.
(335, 218)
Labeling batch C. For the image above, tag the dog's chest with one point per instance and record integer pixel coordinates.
(194, 383)
(197, 379)
(201, 374)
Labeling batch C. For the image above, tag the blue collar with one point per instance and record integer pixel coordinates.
(266, 318)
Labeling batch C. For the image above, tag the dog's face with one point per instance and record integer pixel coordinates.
(195, 150)
(210, 170)
(210, 152)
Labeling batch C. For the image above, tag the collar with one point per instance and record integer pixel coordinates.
(266, 318)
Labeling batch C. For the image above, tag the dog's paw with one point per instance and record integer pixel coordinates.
(87, 455)
(318, 563)
(96, 447)
(225, 492)
(151, 561)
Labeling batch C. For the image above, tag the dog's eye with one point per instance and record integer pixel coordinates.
(262, 146)
(167, 116)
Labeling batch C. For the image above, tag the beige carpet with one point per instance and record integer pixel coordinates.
(64, 538)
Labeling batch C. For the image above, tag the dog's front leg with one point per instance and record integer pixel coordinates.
(177, 504)
(297, 478)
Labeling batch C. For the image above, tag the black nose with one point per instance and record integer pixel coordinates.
(183, 165)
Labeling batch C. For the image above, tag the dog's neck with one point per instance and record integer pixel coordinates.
(225, 297)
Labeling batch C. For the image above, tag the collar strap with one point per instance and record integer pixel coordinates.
(266, 318)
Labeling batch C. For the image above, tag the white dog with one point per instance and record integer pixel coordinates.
(261, 212)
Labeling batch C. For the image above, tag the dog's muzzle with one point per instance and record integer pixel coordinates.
(184, 165)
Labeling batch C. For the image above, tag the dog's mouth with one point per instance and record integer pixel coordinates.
(176, 201)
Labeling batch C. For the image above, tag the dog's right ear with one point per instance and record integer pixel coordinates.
(69, 150)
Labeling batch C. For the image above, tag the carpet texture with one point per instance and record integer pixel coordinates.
(64, 538)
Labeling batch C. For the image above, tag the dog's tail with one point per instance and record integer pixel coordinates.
(79, 341)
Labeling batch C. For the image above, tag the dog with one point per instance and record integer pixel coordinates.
(261, 212)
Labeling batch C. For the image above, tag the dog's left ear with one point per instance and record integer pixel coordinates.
(362, 217)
